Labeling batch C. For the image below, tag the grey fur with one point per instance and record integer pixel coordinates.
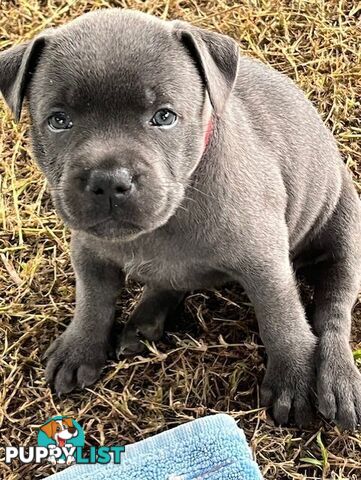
(269, 193)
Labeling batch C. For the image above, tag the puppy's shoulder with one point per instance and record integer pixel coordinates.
(259, 78)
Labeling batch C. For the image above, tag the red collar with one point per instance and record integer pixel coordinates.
(208, 133)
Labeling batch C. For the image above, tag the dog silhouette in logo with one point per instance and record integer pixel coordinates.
(60, 431)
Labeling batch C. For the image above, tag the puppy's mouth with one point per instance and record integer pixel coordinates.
(123, 224)
(110, 228)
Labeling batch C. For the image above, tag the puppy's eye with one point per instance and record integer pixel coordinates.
(59, 121)
(164, 118)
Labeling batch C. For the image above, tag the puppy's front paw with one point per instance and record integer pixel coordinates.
(290, 385)
(338, 383)
(74, 361)
(70, 459)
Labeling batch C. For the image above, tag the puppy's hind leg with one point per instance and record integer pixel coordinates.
(147, 320)
(337, 282)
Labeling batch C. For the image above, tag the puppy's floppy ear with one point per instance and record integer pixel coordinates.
(49, 428)
(16, 67)
(216, 57)
(68, 421)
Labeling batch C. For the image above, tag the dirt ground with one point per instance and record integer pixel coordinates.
(212, 359)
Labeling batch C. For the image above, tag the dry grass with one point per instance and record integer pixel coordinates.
(213, 360)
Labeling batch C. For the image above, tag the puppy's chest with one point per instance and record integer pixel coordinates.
(170, 267)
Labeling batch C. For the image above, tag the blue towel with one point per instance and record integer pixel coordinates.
(208, 448)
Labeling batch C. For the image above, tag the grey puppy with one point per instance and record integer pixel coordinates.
(180, 163)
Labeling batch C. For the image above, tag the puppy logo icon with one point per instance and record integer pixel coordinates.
(61, 435)
(61, 440)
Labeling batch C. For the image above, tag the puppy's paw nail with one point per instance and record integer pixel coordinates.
(120, 352)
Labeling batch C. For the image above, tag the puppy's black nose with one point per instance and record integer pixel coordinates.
(110, 183)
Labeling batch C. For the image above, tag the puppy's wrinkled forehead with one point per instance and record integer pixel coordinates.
(117, 59)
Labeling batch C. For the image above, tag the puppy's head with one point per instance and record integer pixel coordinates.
(63, 429)
(119, 104)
